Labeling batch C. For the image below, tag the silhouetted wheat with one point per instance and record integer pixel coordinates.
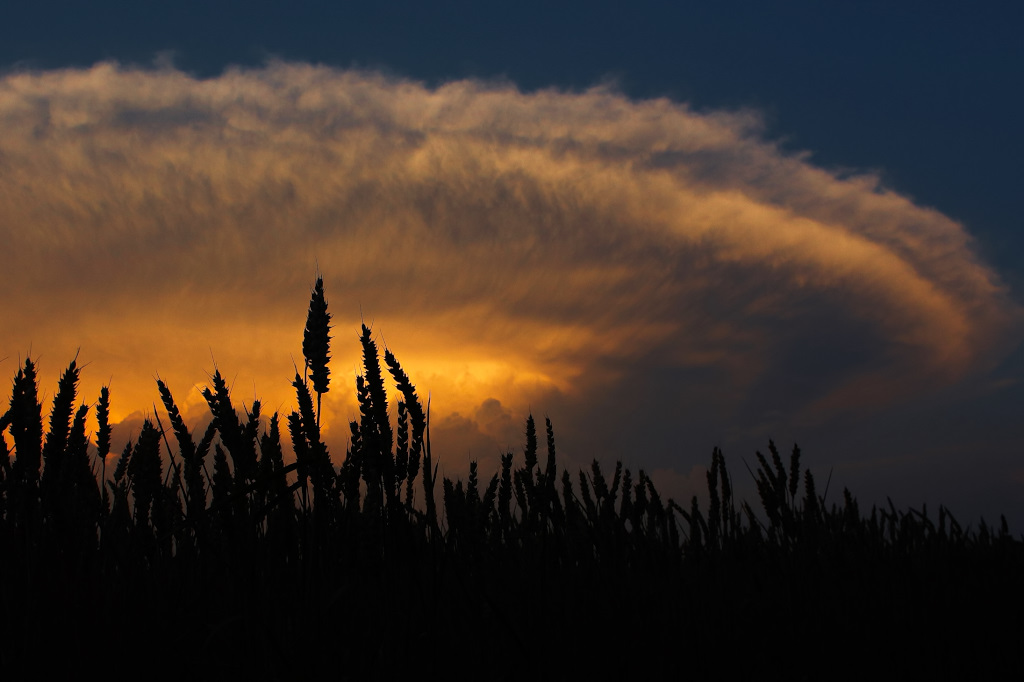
(257, 574)
(316, 342)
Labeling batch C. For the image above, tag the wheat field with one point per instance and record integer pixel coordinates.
(249, 550)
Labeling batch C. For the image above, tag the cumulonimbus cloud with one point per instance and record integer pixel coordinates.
(534, 243)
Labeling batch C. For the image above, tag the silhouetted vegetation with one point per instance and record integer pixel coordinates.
(211, 556)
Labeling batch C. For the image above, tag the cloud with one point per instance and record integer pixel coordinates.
(616, 261)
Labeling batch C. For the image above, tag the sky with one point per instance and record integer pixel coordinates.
(666, 228)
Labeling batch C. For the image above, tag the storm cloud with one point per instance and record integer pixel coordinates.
(623, 265)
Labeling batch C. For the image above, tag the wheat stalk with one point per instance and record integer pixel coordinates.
(316, 343)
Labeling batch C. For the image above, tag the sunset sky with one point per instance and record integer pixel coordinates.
(665, 228)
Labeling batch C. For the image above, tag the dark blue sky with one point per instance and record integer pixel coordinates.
(927, 94)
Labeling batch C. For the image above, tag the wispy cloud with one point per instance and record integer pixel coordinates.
(542, 249)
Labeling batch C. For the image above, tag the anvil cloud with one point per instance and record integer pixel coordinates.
(573, 252)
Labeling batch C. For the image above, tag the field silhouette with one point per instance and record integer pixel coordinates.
(208, 555)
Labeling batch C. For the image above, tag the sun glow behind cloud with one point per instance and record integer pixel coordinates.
(515, 250)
